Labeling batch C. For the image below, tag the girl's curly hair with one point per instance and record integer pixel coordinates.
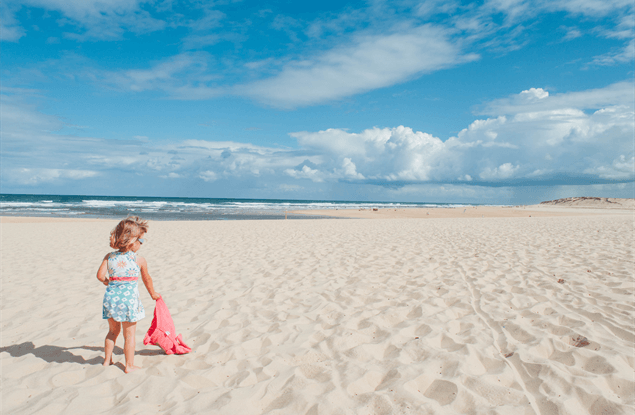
(127, 232)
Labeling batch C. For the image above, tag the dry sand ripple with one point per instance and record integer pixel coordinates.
(400, 316)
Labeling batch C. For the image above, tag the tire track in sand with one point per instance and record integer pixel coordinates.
(538, 403)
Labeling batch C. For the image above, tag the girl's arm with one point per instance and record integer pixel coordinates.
(147, 279)
(101, 272)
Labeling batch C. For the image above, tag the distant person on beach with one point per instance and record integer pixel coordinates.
(122, 306)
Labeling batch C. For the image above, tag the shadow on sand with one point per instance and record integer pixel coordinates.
(64, 355)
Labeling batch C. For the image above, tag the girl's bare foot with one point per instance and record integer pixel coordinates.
(107, 363)
(131, 369)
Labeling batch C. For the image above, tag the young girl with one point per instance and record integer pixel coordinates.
(122, 306)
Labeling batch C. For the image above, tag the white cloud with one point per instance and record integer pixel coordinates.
(226, 147)
(622, 164)
(623, 55)
(306, 173)
(534, 93)
(350, 170)
(572, 33)
(9, 26)
(541, 137)
(320, 72)
(612, 19)
(185, 76)
(504, 171)
(33, 176)
(208, 176)
(592, 8)
(521, 8)
(171, 175)
(99, 19)
(22, 115)
(536, 138)
(28, 140)
(621, 168)
(389, 154)
(372, 61)
(624, 28)
(620, 93)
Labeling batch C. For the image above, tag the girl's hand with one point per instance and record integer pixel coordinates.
(106, 281)
(156, 296)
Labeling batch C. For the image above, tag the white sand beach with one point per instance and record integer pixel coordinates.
(441, 315)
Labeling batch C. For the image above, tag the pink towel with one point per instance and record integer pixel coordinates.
(162, 331)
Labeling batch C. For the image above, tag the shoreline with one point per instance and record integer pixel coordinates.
(468, 212)
(191, 218)
(464, 212)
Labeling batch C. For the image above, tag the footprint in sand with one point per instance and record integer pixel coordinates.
(442, 391)
(366, 384)
(598, 365)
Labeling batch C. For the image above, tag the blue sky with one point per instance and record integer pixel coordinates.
(503, 101)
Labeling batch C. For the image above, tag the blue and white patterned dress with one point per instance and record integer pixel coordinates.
(121, 301)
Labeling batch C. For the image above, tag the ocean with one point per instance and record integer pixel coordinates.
(179, 208)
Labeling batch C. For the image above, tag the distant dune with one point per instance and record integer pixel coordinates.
(592, 202)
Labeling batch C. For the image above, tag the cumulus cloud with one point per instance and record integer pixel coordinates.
(531, 138)
(504, 171)
(308, 170)
(621, 168)
(370, 62)
(306, 173)
(533, 94)
(388, 154)
(208, 176)
(350, 170)
(540, 138)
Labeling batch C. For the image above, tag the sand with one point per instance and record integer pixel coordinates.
(578, 206)
(387, 316)
(451, 212)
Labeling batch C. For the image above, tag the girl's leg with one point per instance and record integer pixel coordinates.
(129, 331)
(114, 327)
